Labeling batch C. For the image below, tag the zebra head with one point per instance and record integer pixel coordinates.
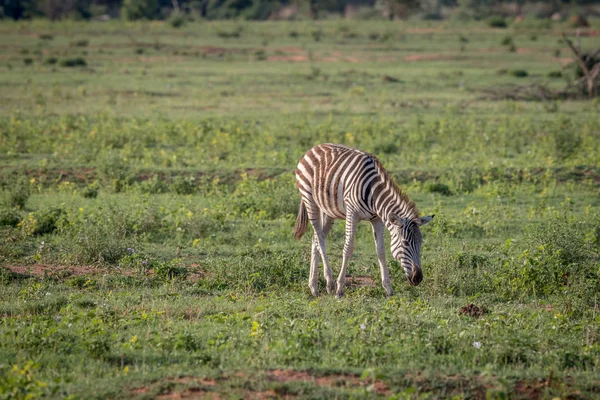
(406, 245)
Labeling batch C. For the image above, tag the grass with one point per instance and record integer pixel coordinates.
(147, 203)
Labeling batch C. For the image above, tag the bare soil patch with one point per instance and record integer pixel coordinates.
(49, 270)
(290, 58)
(360, 281)
(473, 311)
(335, 380)
(428, 57)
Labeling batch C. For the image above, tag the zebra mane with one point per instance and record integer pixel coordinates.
(400, 197)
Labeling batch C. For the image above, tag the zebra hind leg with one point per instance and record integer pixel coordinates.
(321, 225)
(351, 222)
(327, 225)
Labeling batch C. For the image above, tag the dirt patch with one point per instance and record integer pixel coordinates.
(532, 389)
(335, 380)
(473, 311)
(429, 57)
(50, 270)
(360, 281)
(294, 58)
(190, 394)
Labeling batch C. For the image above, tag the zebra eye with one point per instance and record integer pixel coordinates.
(404, 242)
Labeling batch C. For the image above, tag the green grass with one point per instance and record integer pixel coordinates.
(147, 203)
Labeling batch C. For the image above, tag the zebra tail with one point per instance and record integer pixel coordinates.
(301, 221)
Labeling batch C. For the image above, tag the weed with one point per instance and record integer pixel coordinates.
(80, 43)
(10, 217)
(177, 20)
(184, 185)
(519, 73)
(507, 41)
(91, 191)
(497, 21)
(43, 221)
(19, 193)
(72, 62)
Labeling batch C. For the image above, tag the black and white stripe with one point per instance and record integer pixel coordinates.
(338, 182)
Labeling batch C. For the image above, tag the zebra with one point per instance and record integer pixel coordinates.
(339, 182)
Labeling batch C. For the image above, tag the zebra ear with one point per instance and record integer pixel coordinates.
(425, 220)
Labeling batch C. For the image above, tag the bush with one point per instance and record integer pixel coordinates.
(28, 61)
(19, 193)
(139, 9)
(10, 217)
(507, 41)
(100, 237)
(72, 62)
(91, 191)
(497, 21)
(184, 185)
(51, 61)
(177, 20)
(43, 221)
(80, 43)
(554, 74)
(436, 187)
(519, 73)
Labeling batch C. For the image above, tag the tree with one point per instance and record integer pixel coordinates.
(140, 9)
(399, 8)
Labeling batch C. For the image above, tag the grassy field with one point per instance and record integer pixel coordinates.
(147, 205)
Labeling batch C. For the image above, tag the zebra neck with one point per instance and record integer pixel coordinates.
(390, 201)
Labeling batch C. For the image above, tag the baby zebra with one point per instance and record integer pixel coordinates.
(338, 182)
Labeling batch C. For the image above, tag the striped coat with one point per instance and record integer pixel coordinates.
(338, 182)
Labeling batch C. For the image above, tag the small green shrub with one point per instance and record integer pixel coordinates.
(133, 10)
(28, 61)
(99, 237)
(260, 55)
(43, 221)
(154, 185)
(497, 21)
(463, 39)
(235, 33)
(140, 50)
(91, 191)
(177, 20)
(10, 217)
(51, 61)
(293, 34)
(436, 187)
(80, 43)
(554, 74)
(507, 41)
(45, 36)
(21, 383)
(72, 62)
(184, 185)
(19, 193)
(317, 35)
(519, 73)
(172, 270)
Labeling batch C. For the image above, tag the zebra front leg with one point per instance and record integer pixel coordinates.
(378, 233)
(351, 222)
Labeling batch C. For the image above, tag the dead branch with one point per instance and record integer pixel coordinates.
(590, 76)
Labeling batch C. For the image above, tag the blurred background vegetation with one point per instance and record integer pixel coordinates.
(294, 9)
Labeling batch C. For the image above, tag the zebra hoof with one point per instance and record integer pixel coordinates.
(340, 293)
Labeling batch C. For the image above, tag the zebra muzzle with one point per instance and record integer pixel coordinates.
(416, 276)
